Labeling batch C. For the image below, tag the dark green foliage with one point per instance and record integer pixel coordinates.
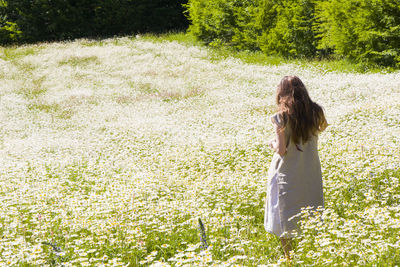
(8, 30)
(39, 20)
(367, 31)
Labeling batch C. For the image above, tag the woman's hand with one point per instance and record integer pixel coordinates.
(271, 143)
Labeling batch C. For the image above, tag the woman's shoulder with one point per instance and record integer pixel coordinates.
(278, 119)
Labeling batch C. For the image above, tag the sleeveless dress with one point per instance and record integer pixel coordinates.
(294, 181)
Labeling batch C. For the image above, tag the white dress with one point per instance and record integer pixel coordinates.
(272, 220)
(294, 182)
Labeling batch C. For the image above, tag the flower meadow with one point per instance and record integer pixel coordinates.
(112, 150)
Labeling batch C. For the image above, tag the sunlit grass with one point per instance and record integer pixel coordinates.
(79, 61)
(321, 63)
(112, 149)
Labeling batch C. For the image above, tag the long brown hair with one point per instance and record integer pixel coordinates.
(304, 116)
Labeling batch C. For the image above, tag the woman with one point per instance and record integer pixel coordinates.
(294, 176)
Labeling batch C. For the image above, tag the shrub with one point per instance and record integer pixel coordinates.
(8, 30)
(365, 30)
(212, 20)
(40, 20)
(276, 27)
(291, 33)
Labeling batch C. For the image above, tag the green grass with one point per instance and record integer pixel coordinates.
(79, 61)
(17, 52)
(217, 53)
(118, 165)
(180, 37)
(34, 90)
(57, 110)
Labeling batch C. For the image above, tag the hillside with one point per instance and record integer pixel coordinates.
(111, 150)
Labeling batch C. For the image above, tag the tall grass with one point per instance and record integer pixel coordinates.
(111, 150)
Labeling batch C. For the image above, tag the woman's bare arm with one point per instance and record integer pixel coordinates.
(279, 144)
